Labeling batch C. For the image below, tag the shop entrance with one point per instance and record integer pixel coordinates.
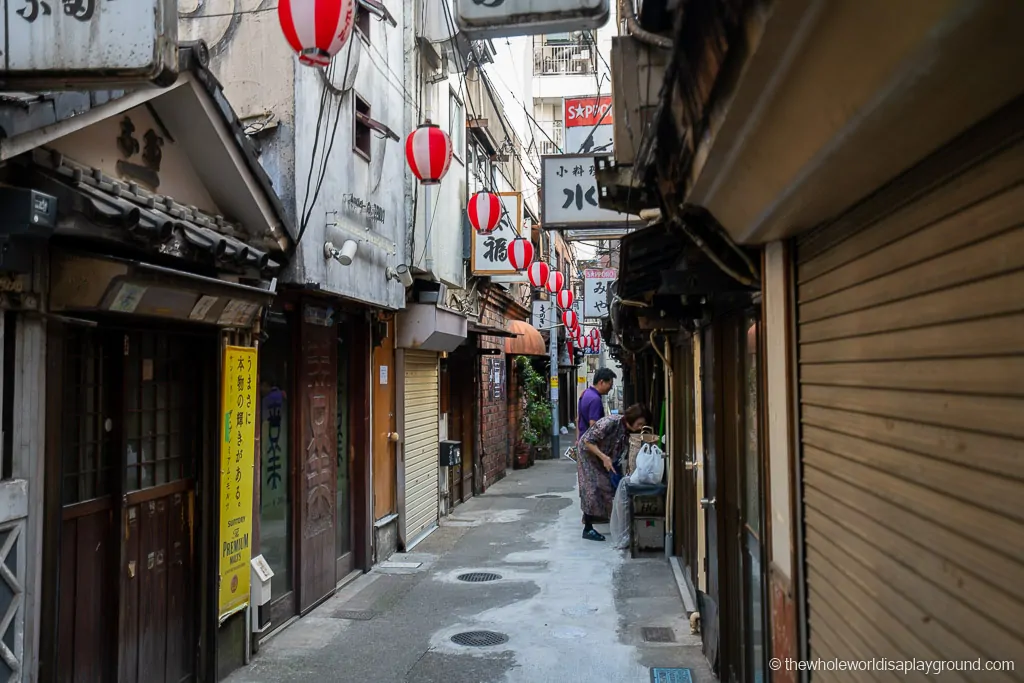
(130, 436)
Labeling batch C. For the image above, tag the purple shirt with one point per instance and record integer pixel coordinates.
(591, 408)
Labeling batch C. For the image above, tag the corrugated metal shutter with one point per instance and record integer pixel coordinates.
(421, 441)
(911, 352)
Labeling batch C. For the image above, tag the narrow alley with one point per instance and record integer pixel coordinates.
(571, 609)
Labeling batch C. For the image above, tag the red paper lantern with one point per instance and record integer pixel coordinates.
(484, 211)
(595, 334)
(316, 29)
(520, 253)
(564, 299)
(569, 318)
(555, 281)
(428, 151)
(538, 273)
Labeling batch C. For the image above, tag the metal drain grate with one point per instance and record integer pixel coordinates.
(658, 634)
(548, 495)
(478, 577)
(479, 638)
(668, 675)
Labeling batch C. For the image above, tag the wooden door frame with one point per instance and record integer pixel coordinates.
(360, 385)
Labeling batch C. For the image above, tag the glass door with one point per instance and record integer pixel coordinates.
(276, 524)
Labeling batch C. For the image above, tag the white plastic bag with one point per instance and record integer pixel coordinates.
(650, 465)
(620, 520)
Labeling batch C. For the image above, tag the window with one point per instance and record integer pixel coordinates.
(362, 135)
(457, 124)
(363, 22)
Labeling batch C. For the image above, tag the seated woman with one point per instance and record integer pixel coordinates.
(600, 448)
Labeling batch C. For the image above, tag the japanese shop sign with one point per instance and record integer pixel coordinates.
(237, 451)
(503, 18)
(569, 194)
(490, 252)
(274, 444)
(595, 291)
(542, 316)
(57, 44)
(588, 125)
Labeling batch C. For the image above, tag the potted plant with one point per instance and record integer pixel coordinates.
(535, 428)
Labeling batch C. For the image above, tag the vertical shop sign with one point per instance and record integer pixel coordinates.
(237, 452)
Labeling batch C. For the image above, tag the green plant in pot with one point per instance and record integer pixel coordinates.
(535, 428)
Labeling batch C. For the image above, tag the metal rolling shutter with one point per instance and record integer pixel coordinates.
(421, 437)
(911, 378)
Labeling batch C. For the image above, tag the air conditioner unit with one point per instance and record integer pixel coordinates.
(637, 73)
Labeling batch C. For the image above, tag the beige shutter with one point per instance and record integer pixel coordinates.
(911, 379)
(421, 442)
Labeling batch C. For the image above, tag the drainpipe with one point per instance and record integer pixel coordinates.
(670, 494)
(633, 26)
(553, 353)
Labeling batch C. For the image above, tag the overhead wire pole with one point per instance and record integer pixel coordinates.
(553, 352)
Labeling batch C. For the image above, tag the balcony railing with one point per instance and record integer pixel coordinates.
(568, 60)
(554, 145)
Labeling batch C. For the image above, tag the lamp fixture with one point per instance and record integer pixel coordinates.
(345, 255)
(400, 274)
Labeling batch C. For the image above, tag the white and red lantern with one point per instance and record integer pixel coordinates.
(428, 151)
(569, 318)
(595, 334)
(555, 281)
(564, 299)
(538, 273)
(316, 29)
(520, 253)
(484, 211)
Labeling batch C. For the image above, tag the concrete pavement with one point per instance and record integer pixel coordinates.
(566, 609)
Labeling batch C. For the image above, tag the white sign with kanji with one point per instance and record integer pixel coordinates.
(595, 291)
(542, 318)
(490, 252)
(569, 194)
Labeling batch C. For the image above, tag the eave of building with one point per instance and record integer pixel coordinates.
(838, 96)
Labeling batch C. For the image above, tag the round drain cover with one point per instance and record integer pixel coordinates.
(478, 577)
(479, 638)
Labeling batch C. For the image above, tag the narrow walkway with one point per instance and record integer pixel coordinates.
(571, 610)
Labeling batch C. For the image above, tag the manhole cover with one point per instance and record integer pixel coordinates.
(478, 577)
(658, 634)
(479, 638)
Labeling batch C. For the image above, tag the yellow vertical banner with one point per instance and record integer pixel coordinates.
(237, 453)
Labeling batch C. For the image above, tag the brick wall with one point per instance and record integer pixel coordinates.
(493, 419)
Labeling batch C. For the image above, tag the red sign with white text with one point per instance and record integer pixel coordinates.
(587, 111)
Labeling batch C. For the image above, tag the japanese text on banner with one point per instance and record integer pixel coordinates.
(238, 440)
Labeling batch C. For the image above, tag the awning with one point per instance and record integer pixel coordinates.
(429, 328)
(489, 330)
(527, 343)
(91, 284)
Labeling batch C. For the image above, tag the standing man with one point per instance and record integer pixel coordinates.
(591, 406)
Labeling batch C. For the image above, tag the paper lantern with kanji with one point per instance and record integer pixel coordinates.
(569, 318)
(316, 29)
(520, 253)
(484, 210)
(538, 273)
(555, 281)
(428, 151)
(564, 299)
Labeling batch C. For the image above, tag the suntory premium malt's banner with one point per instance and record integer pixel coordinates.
(237, 451)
